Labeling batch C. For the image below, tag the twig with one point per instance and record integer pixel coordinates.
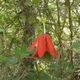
(23, 75)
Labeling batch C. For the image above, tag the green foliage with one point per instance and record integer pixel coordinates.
(33, 76)
(78, 0)
(47, 57)
(35, 1)
(21, 21)
(13, 60)
(1, 30)
(44, 76)
(54, 66)
(57, 75)
(76, 44)
(68, 67)
(23, 51)
(3, 58)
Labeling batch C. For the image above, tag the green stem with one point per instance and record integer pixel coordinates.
(71, 35)
(59, 32)
(6, 73)
(44, 27)
(59, 37)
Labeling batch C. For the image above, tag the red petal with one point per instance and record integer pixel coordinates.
(51, 46)
(35, 42)
(41, 46)
(35, 53)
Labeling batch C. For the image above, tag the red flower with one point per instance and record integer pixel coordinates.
(43, 43)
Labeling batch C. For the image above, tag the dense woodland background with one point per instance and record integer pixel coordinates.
(21, 21)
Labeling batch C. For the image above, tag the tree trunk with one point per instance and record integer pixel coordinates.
(28, 29)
